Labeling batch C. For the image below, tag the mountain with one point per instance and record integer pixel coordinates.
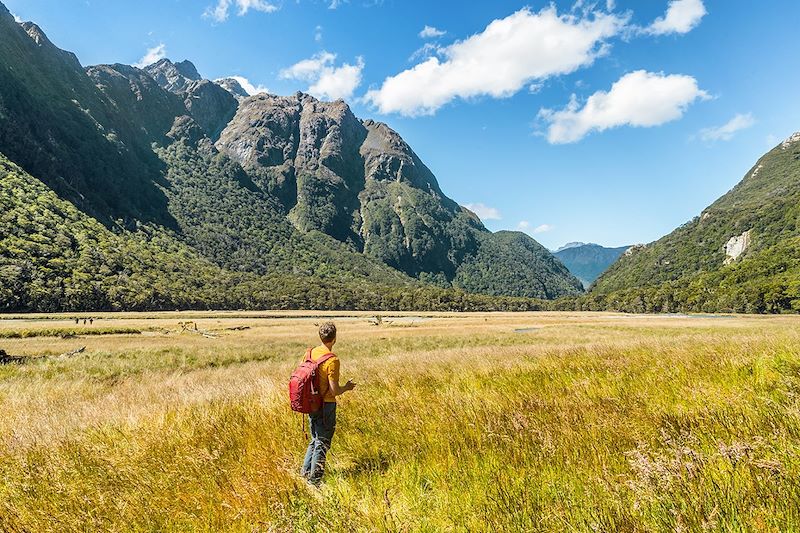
(570, 245)
(588, 261)
(253, 188)
(741, 254)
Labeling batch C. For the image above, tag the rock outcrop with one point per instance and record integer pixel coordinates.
(736, 246)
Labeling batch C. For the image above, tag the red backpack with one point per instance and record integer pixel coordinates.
(304, 385)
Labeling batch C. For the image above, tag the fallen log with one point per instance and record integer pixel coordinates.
(73, 353)
(6, 359)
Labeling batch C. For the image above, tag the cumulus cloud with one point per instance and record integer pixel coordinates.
(640, 99)
(484, 212)
(17, 19)
(152, 55)
(248, 87)
(221, 10)
(430, 32)
(506, 56)
(727, 130)
(334, 4)
(327, 81)
(681, 17)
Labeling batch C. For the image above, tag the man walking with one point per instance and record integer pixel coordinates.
(323, 421)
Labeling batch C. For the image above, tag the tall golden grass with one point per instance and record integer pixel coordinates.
(578, 422)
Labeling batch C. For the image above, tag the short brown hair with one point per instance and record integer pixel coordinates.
(327, 331)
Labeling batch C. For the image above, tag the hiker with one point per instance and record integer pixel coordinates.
(323, 421)
(91, 321)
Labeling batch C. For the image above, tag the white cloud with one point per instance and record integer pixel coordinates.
(328, 81)
(17, 19)
(525, 226)
(508, 55)
(318, 33)
(640, 98)
(221, 10)
(308, 69)
(681, 17)
(484, 212)
(430, 32)
(334, 4)
(248, 86)
(727, 130)
(153, 55)
(425, 51)
(339, 82)
(544, 228)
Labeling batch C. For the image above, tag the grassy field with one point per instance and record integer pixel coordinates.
(478, 422)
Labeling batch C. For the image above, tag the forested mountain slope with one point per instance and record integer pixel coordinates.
(261, 185)
(741, 254)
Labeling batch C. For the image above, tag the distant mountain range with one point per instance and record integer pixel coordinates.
(588, 261)
(128, 188)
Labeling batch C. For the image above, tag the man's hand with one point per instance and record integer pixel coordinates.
(337, 389)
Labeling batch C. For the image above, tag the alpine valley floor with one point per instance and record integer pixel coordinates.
(460, 422)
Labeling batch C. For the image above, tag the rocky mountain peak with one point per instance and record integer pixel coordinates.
(233, 87)
(174, 77)
(36, 33)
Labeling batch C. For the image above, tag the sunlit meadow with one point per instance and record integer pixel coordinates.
(476, 422)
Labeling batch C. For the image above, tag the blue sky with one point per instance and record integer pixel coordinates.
(599, 121)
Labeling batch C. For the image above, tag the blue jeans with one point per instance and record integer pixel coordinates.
(323, 424)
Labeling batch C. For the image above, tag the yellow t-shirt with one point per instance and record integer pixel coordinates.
(328, 369)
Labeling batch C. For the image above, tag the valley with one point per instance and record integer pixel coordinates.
(483, 421)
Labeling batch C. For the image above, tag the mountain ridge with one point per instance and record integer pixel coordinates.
(740, 254)
(260, 184)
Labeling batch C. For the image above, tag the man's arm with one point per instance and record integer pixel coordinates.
(337, 389)
(333, 380)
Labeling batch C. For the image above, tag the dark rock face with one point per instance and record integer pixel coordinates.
(210, 104)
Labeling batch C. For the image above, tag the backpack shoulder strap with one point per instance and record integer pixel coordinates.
(308, 355)
(324, 358)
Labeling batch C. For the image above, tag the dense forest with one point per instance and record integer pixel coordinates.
(55, 258)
